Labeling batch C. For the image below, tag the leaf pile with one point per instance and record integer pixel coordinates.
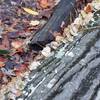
(19, 20)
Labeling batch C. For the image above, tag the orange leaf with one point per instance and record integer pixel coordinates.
(88, 8)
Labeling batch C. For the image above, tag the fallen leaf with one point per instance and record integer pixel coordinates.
(1, 74)
(30, 11)
(68, 34)
(88, 8)
(39, 57)
(5, 43)
(20, 50)
(34, 22)
(34, 65)
(83, 14)
(87, 18)
(57, 1)
(18, 93)
(59, 38)
(22, 68)
(17, 44)
(78, 21)
(2, 64)
(55, 34)
(73, 30)
(44, 3)
(54, 45)
(46, 51)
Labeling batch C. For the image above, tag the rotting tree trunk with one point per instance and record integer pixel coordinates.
(61, 13)
(65, 10)
(77, 76)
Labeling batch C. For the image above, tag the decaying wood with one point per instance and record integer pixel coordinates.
(76, 75)
(63, 12)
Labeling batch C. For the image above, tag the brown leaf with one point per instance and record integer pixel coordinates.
(2, 62)
(5, 43)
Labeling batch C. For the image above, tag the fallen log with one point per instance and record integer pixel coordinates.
(63, 12)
